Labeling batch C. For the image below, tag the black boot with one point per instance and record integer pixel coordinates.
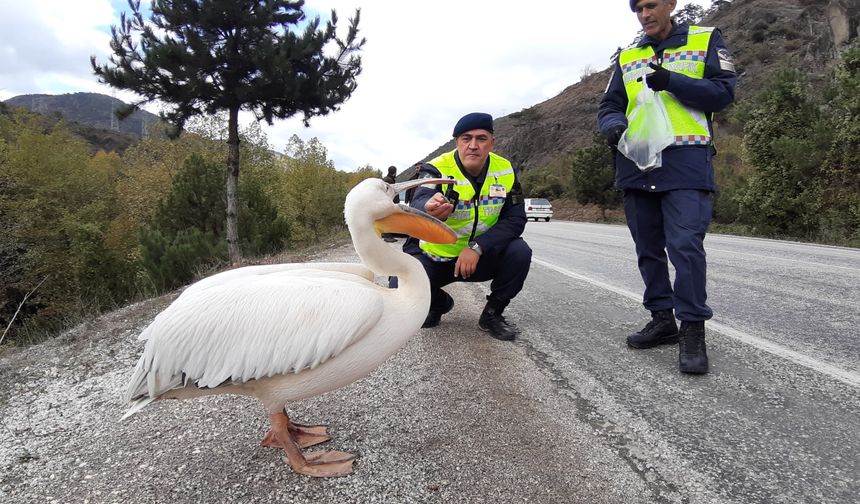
(662, 330)
(492, 321)
(692, 355)
(434, 316)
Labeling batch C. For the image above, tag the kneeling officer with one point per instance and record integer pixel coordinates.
(484, 206)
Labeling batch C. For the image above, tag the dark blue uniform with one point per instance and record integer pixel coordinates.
(505, 257)
(669, 208)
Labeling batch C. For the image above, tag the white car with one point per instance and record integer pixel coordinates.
(538, 208)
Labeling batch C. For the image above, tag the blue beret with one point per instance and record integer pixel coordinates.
(633, 5)
(475, 120)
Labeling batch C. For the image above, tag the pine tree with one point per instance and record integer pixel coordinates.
(205, 56)
(690, 14)
(593, 176)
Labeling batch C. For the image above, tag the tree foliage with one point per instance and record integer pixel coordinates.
(56, 203)
(548, 182)
(839, 208)
(593, 176)
(86, 223)
(731, 170)
(187, 230)
(313, 192)
(689, 14)
(785, 139)
(204, 57)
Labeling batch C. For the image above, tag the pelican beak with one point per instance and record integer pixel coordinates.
(409, 184)
(407, 220)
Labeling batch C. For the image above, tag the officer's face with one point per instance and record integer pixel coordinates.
(473, 147)
(655, 16)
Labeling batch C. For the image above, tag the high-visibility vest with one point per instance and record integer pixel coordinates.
(690, 126)
(473, 214)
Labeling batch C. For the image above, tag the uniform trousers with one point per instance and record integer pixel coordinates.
(675, 222)
(507, 268)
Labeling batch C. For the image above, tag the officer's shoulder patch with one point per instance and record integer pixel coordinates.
(727, 61)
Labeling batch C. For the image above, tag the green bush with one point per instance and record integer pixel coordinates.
(785, 140)
(593, 176)
(56, 204)
(262, 230)
(549, 182)
(838, 215)
(187, 232)
(171, 261)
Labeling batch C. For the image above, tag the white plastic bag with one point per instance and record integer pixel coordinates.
(649, 131)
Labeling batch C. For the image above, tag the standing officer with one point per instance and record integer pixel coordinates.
(669, 208)
(483, 204)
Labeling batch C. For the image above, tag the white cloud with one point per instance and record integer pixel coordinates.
(424, 65)
(427, 65)
(50, 41)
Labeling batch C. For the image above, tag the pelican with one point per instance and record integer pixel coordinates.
(282, 333)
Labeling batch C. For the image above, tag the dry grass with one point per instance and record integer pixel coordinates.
(567, 209)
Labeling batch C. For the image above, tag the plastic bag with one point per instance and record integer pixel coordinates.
(649, 131)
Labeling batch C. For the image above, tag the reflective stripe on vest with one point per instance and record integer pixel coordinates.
(462, 219)
(689, 125)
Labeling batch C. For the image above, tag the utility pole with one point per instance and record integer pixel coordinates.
(114, 123)
(40, 104)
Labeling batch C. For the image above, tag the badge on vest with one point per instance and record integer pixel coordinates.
(497, 191)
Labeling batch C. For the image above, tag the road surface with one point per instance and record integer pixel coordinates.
(565, 414)
(778, 417)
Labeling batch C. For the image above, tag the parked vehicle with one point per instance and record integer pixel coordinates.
(538, 208)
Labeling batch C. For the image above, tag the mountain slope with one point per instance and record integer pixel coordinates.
(97, 138)
(91, 109)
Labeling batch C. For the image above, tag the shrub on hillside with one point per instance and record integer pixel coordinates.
(593, 176)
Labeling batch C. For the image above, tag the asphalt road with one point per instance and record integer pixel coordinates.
(778, 417)
(566, 414)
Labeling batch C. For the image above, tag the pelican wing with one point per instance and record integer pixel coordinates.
(253, 327)
(274, 269)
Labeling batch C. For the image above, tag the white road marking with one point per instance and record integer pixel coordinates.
(781, 259)
(843, 375)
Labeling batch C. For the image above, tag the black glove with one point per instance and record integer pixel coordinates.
(659, 80)
(614, 135)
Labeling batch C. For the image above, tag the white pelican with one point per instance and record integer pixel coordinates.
(286, 332)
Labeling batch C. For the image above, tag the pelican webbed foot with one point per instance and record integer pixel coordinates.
(304, 435)
(326, 464)
(287, 435)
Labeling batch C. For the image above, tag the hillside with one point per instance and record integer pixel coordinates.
(90, 109)
(763, 35)
(97, 138)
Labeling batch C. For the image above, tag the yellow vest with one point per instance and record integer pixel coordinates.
(473, 214)
(690, 126)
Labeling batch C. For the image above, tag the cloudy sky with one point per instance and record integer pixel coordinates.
(425, 64)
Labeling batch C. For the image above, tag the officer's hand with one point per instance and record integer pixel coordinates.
(659, 80)
(438, 206)
(466, 264)
(614, 135)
